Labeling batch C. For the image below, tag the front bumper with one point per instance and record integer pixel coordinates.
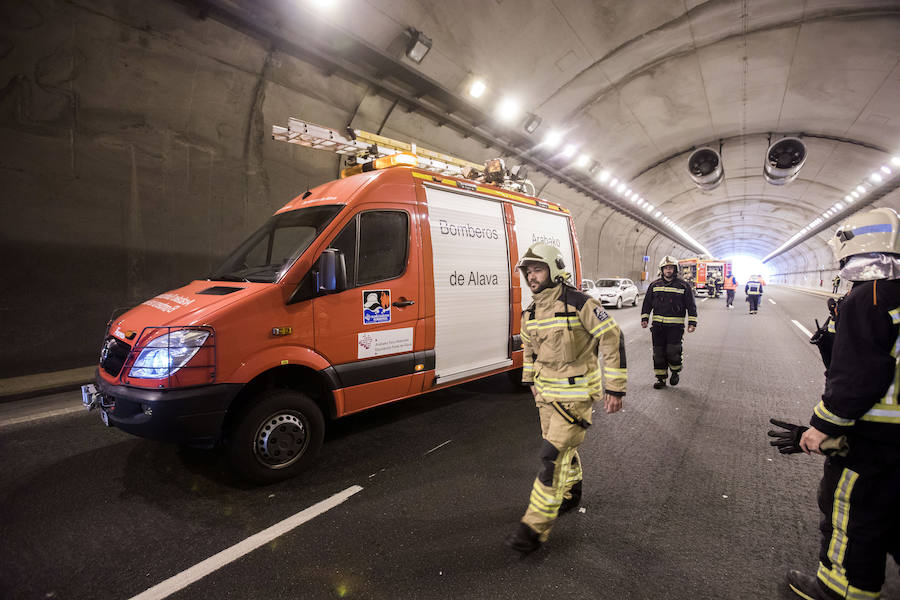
(191, 416)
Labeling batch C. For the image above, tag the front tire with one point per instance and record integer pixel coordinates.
(619, 302)
(276, 437)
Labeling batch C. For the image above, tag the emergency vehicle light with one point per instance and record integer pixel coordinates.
(383, 162)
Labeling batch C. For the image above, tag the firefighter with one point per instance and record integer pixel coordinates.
(669, 298)
(754, 290)
(730, 287)
(562, 332)
(835, 284)
(859, 494)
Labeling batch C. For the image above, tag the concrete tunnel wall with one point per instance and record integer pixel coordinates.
(136, 152)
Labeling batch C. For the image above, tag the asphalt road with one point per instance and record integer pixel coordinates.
(684, 499)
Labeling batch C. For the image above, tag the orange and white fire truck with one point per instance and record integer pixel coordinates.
(395, 280)
(703, 273)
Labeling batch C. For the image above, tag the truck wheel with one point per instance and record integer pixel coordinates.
(277, 437)
(619, 302)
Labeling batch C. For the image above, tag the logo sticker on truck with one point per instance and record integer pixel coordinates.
(376, 306)
(386, 341)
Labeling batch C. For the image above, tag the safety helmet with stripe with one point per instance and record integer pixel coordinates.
(668, 260)
(549, 255)
(876, 230)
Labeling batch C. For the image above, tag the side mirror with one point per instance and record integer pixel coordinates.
(331, 272)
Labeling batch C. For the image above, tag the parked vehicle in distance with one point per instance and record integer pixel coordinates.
(615, 291)
(586, 286)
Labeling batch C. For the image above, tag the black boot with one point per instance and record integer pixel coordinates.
(570, 503)
(673, 380)
(808, 587)
(524, 541)
(660, 383)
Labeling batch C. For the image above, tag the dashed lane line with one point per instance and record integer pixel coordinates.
(772, 301)
(802, 328)
(217, 561)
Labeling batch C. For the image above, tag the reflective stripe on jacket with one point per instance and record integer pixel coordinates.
(669, 301)
(562, 333)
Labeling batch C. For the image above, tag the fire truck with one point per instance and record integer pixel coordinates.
(702, 274)
(396, 280)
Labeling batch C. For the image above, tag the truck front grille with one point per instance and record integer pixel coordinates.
(113, 355)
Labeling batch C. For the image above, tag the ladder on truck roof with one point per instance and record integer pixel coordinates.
(361, 147)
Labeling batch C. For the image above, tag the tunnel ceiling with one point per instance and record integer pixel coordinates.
(639, 85)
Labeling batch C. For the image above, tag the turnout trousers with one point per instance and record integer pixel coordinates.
(754, 302)
(859, 496)
(729, 297)
(667, 347)
(560, 473)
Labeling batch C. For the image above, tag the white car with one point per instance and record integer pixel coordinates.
(586, 286)
(614, 291)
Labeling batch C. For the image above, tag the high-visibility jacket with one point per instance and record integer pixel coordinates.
(562, 332)
(669, 301)
(862, 383)
(753, 288)
(730, 283)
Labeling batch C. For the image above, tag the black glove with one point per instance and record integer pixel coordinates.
(787, 442)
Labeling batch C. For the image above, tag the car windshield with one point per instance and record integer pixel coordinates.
(274, 247)
(607, 283)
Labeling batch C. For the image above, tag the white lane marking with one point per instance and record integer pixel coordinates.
(772, 301)
(43, 415)
(802, 328)
(704, 300)
(436, 447)
(217, 561)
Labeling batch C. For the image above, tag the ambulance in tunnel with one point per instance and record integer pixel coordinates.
(384, 284)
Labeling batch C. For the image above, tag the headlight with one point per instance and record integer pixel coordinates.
(164, 355)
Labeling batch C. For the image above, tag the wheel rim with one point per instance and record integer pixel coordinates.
(281, 439)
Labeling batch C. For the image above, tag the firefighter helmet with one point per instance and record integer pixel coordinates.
(873, 231)
(548, 255)
(668, 260)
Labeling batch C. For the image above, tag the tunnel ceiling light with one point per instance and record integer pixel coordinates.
(848, 199)
(855, 194)
(603, 176)
(620, 188)
(658, 214)
(583, 161)
(532, 122)
(569, 151)
(553, 139)
(838, 205)
(613, 182)
(418, 46)
(876, 178)
(860, 189)
(508, 110)
(628, 192)
(477, 88)
(886, 169)
(895, 160)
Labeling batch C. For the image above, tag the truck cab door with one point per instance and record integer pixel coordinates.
(367, 330)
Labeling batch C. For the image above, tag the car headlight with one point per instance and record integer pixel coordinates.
(164, 355)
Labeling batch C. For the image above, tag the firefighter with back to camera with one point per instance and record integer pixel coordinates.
(859, 413)
(562, 332)
(668, 298)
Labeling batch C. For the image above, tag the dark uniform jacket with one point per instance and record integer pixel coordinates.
(753, 288)
(669, 301)
(863, 378)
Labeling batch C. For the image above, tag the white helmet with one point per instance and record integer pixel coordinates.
(873, 231)
(548, 255)
(371, 299)
(668, 260)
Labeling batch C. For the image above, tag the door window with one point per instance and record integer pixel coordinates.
(375, 246)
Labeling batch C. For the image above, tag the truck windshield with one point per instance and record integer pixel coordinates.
(274, 247)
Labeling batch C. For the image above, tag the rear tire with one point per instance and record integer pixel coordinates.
(276, 437)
